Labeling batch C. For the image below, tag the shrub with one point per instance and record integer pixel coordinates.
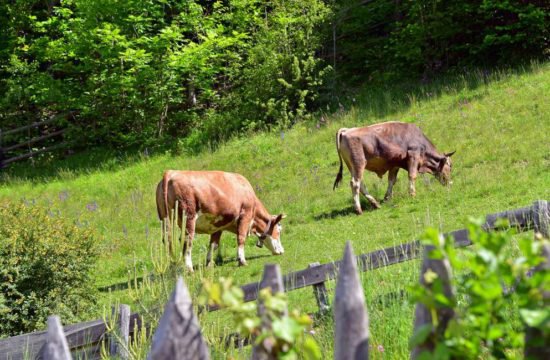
(45, 265)
(493, 286)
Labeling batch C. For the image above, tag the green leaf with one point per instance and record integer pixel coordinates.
(420, 335)
(535, 318)
(311, 349)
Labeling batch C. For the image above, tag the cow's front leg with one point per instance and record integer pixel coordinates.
(369, 197)
(412, 180)
(242, 232)
(214, 245)
(190, 235)
(413, 171)
(392, 178)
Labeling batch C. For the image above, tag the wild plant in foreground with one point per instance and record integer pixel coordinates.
(481, 325)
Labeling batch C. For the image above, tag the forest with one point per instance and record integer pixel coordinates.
(193, 73)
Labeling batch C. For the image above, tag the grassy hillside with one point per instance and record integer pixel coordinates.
(499, 126)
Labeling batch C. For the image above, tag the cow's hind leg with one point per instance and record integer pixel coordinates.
(355, 189)
(392, 178)
(214, 245)
(190, 235)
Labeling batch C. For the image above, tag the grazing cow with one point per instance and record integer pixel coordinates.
(386, 147)
(213, 202)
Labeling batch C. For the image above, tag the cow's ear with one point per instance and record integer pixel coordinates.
(279, 218)
(442, 163)
(450, 154)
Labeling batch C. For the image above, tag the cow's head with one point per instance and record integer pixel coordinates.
(443, 172)
(271, 236)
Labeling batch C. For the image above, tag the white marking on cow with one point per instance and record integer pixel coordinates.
(240, 254)
(188, 260)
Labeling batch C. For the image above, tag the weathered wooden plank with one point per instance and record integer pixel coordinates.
(520, 218)
(178, 335)
(272, 279)
(119, 343)
(351, 338)
(34, 140)
(80, 335)
(423, 316)
(30, 126)
(537, 344)
(56, 347)
(32, 153)
(320, 293)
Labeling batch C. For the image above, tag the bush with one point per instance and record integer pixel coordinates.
(45, 266)
(493, 287)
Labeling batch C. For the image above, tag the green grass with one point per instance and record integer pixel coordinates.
(499, 125)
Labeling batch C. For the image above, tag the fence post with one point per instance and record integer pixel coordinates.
(351, 339)
(423, 315)
(178, 335)
(320, 292)
(537, 346)
(273, 279)
(119, 344)
(56, 344)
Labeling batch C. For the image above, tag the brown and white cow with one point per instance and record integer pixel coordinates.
(213, 202)
(384, 147)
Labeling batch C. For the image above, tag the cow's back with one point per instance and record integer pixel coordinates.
(390, 137)
(213, 192)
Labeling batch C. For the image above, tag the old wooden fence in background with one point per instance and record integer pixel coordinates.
(42, 137)
(178, 335)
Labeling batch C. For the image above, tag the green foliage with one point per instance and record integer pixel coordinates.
(45, 268)
(287, 335)
(136, 71)
(492, 282)
(420, 38)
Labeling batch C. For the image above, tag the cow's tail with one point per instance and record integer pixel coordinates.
(339, 175)
(165, 179)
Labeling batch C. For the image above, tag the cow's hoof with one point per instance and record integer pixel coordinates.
(376, 205)
(190, 270)
(359, 211)
(210, 264)
(243, 263)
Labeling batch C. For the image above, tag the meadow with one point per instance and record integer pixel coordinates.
(498, 123)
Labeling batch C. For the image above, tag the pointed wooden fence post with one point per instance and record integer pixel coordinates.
(537, 346)
(273, 279)
(350, 313)
(56, 344)
(119, 344)
(422, 315)
(178, 335)
(320, 292)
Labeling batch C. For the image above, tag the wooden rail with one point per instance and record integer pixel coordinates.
(5, 150)
(83, 337)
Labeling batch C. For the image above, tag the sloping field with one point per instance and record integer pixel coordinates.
(499, 126)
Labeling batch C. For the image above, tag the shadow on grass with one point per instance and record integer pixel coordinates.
(220, 261)
(347, 211)
(125, 285)
(66, 167)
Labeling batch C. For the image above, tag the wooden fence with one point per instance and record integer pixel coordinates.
(49, 138)
(178, 335)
